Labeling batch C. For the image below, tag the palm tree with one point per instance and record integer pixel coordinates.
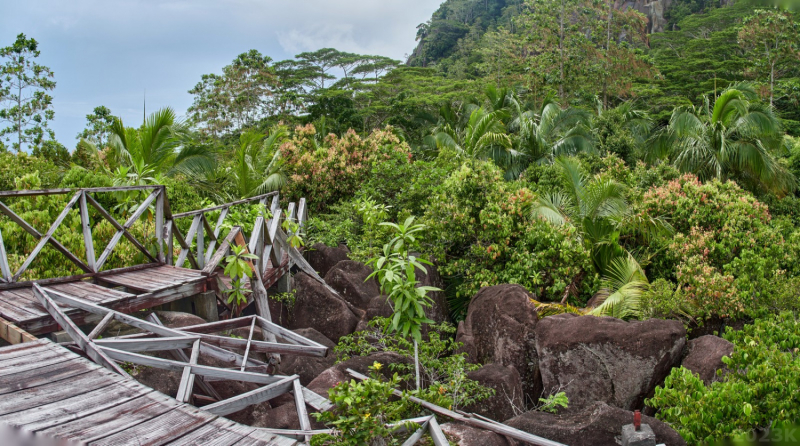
(482, 136)
(736, 139)
(162, 146)
(599, 211)
(258, 166)
(548, 134)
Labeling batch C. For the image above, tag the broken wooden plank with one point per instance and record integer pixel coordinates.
(74, 332)
(249, 340)
(219, 254)
(202, 370)
(101, 326)
(181, 356)
(417, 435)
(300, 403)
(187, 378)
(436, 433)
(150, 344)
(256, 396)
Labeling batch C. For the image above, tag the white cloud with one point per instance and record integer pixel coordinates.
(107, 52)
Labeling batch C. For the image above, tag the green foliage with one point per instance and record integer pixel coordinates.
(15, 166)
(362, 410)
(553, 402)
(757, 391)
(237, 267)
(481, 235)
(395, 271)
(98, 126)
(443, 370)
(736, 137)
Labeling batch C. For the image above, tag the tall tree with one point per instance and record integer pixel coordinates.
(771, 38)
(24, 84)
(323, 60)
(239, 97)
(98, 126)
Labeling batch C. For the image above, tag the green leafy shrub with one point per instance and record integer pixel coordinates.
(443, 371)
(758, 392)
(482, 236)
(362, 410)
(15, 166)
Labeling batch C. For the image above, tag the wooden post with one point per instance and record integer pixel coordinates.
(160, 222)
(170, 240)
(86, 225)
(201, 258)
(6, 271)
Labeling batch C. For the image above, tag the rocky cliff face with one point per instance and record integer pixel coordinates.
(653, 9)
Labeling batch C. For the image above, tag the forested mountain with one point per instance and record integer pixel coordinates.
(665, 52)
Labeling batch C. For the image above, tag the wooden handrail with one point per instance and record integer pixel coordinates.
(222, 206)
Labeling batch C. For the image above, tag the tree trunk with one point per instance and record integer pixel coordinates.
(608, 46)
(771, 82)
(561, 54)
(416, 361)
(19, 115)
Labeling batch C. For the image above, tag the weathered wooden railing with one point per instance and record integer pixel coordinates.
(84, 198)
(267, 240)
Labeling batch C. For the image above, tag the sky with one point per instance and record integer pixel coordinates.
(111, 52)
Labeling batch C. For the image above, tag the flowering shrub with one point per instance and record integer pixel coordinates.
(362, 410)
(331, 168)
(733, 217)
(726, 254)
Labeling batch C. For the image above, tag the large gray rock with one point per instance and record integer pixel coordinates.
(507, 386)
(379, 306)
(607, 359)
(322, 258)
(308, 367)
(464, 435)
(596, 425)
(349, 279)
(499, 328)
(705, 355)
(318, 308)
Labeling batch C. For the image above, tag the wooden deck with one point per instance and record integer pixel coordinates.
(126, 290)
(99, 407)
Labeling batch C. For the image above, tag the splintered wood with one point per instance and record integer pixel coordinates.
(156, 337)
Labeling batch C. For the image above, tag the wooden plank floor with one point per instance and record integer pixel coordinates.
(48, 390)
(144, 288)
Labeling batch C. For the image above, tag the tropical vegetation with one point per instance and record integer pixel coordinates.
(609, 162)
